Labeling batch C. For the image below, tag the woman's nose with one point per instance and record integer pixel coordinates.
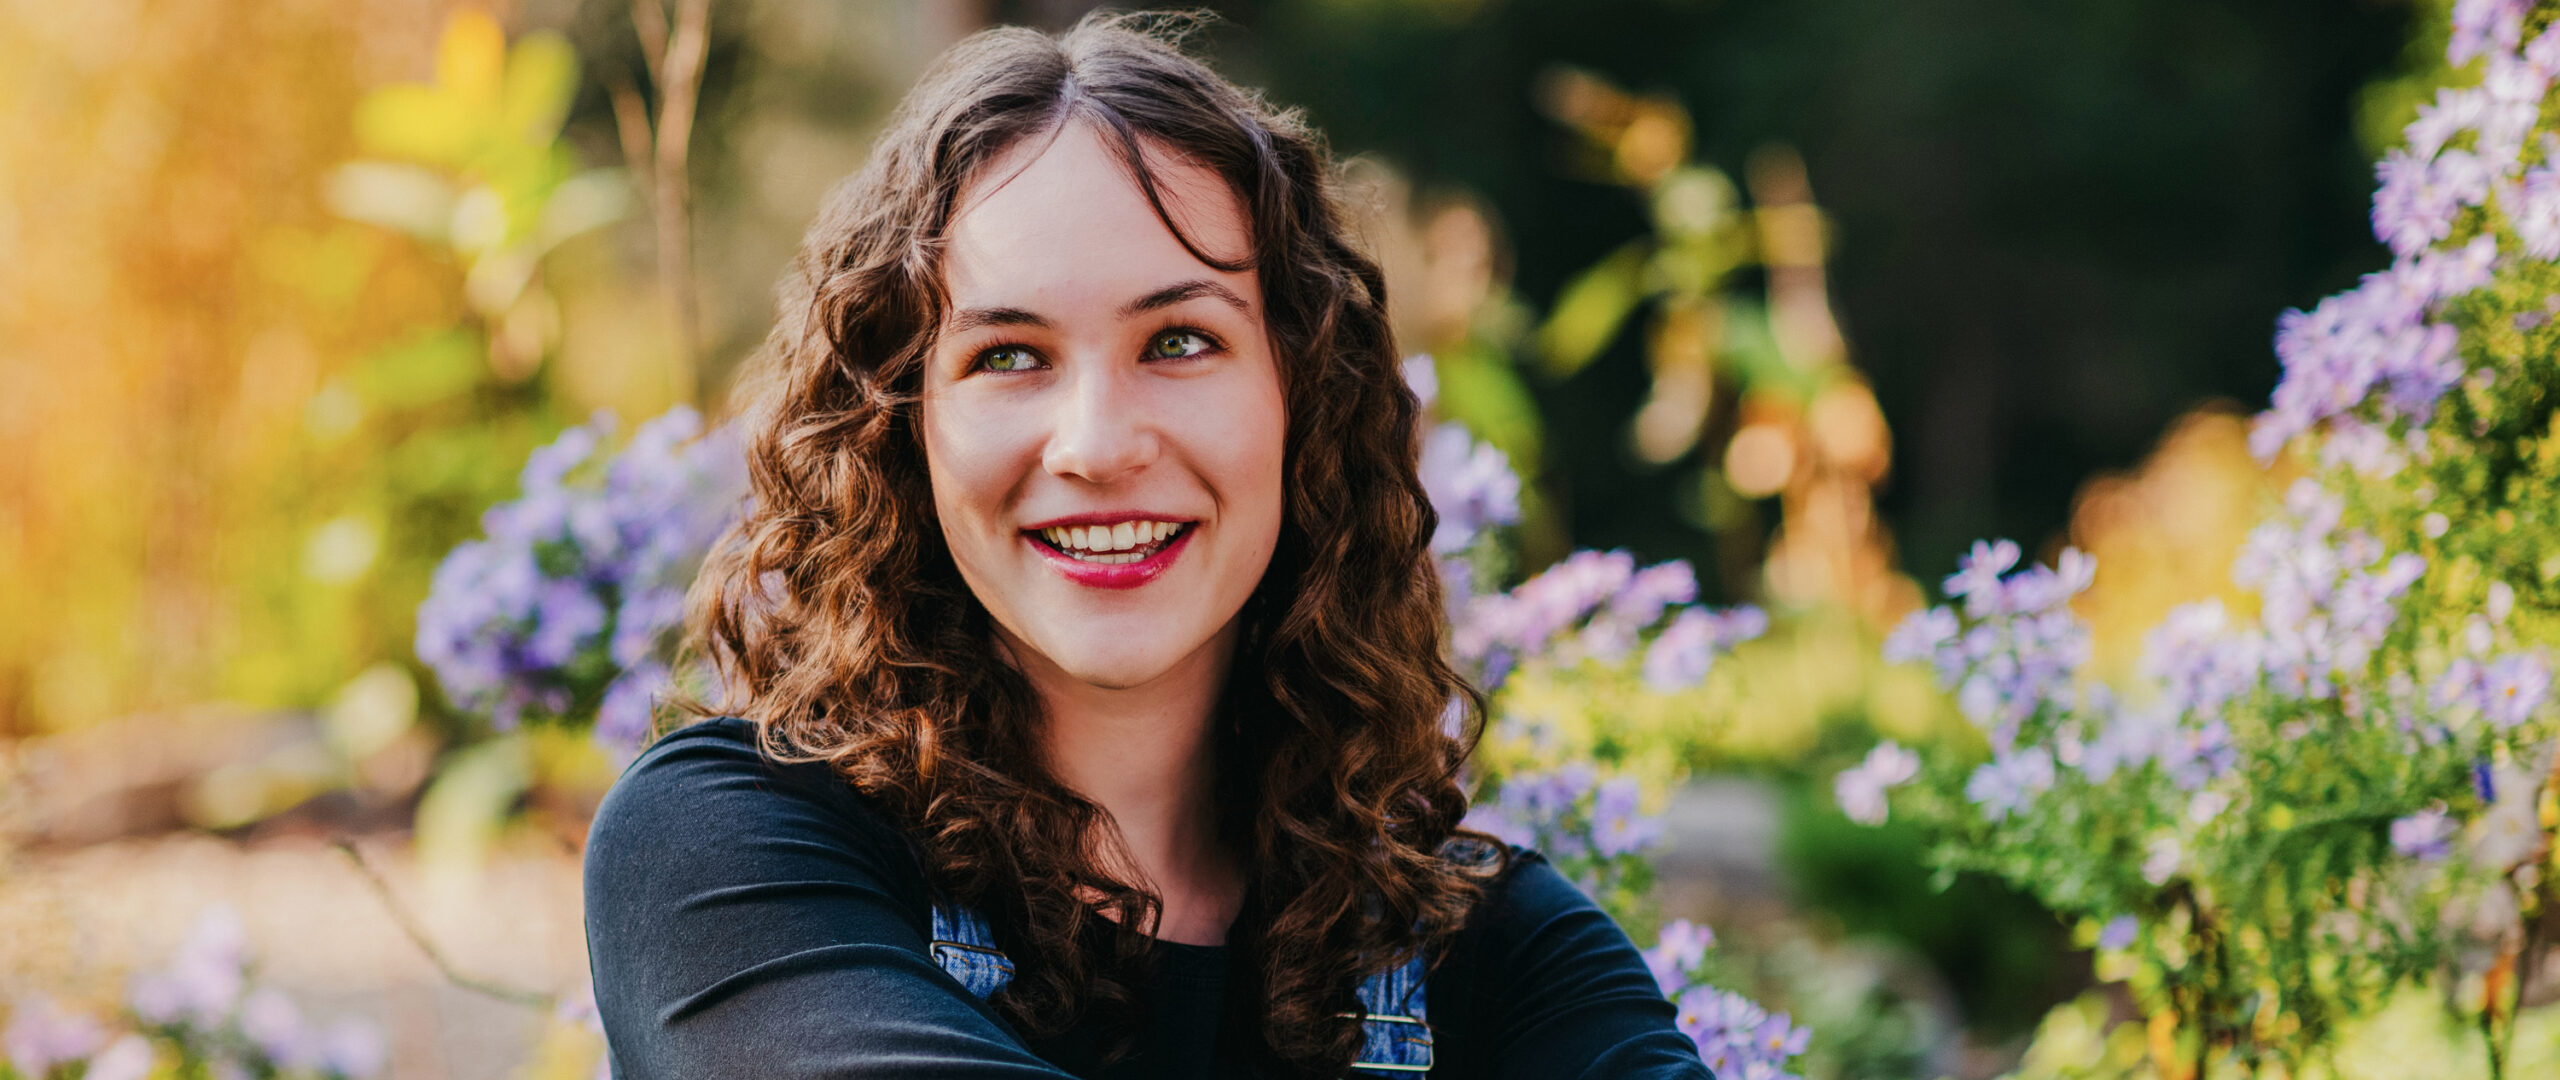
(1100, 431)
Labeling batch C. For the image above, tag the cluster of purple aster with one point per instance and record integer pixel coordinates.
(1599, 605)
(570, 601)
(1573, 815)
(1860, 790)
(2016, 650)
(2375, 357)
(2328, 597)
(2013, 658)
(202, 1004)
(1735, 1036)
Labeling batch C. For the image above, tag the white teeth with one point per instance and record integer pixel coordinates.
(1110, 544)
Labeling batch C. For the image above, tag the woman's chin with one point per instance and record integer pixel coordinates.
(1117, 671)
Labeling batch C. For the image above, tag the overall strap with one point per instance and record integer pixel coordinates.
(966, 949)
(1396, 1022)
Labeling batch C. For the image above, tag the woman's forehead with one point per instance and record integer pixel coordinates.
(1061, 217)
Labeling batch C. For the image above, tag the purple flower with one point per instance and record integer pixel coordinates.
(1675, 957)
(2482, 25)
(271, 1023)
(353, 1049)
(1548, 797)
(2129, 740)
(1922, 635)
(1776, 1039)
(2512, 688)
(1706, 1012)
(1617, 828)
(1977, 576)
(1683, 654)
(567, 618)
(2426, 835)
(2118, 933)
(2011, 782)
(2196, 755)
(1653, 589)
(1686, 650)
(42, 1034)
(1500, 629)
(1861, 790)
(204, 979)
(2453, 112)
(1493, 820)
(2038, 590)
(1422, 377)
(1470, 484)
(128, 1059)
(643, 619)
(2420, 197)
(630, 706)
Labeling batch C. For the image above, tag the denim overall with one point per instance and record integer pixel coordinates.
(1399, 1036)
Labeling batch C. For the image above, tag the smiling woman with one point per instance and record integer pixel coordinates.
(1086, 708)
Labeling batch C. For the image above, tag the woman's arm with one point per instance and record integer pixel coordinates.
(1542, 985)
(752, 921)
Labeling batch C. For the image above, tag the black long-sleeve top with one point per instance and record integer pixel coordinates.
(747, 919)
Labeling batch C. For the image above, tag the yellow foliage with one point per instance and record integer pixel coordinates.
(2165, 533)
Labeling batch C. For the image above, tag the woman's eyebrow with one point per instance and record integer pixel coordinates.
(1189, 290)
(968, 319)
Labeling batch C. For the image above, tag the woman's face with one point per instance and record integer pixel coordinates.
(1102, 413)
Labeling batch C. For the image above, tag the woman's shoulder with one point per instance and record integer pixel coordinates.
(1521, 888)
(710, 791)
(720, 758)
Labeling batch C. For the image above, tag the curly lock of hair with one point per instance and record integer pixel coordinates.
(839, 625)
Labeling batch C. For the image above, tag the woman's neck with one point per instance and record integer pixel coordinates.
(1148, 756)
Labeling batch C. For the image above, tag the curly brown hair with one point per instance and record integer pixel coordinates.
(839, 625)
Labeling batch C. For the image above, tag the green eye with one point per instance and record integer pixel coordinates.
(1176, 344)
(1005, 358)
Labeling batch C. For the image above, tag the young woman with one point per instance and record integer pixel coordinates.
(1087, 713)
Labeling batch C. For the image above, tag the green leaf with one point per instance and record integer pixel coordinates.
(1480, 389)
(422, 371)
(1591, 308)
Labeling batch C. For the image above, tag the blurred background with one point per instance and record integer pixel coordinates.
(1809, 293)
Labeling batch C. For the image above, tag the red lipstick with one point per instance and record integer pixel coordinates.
(1113, 575)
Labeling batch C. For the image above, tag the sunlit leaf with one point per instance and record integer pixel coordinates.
(497, 279)
(589, 200)
(1591, 308)
(421, 372)
(1480, 390)
(417, 123)
(471, 59)
(479, 220)
(412, 199)
(541, 80)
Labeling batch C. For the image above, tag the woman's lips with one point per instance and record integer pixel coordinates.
(1127, 575)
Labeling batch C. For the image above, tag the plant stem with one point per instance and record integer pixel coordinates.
(418, 936)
